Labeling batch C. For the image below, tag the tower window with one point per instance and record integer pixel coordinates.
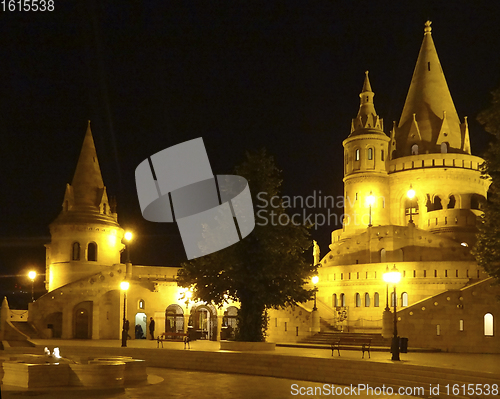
(75, 251)
(452, 202)
(92, 252)
(370, 153)
(342, 300)
(488, 324)
(414, 149)
(358, 300)
(357, 154)
(429, 68)
(376, 300)
(381, 155)
(404, 299)
(444, 148)
(367, 300)
(334, 300)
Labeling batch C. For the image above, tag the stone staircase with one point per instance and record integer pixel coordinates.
(26, 328)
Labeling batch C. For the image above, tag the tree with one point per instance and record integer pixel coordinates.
(266, 269)
(487, 248)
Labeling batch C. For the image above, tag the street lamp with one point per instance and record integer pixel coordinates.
(32, 276)
(394, 277)
(370, 200)
(124, 286)
(128, 237)
(315, 280)
(411, 194)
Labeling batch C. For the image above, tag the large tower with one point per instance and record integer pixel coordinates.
(365, 167)
(85, 237)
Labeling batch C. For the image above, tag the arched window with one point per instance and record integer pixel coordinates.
(437, 203)
(444, 148)
(392, 299)
(75, 251)
(142, 304)
(357, 154)
(382, 255)
(334, 301)
(367, 300)
(92, 252)
(475, 201)
(376, 300)
(452, 202)
(404, 299)
(370, 153)
(358, 300)
(342, 300)
(414, 149)
(488, 325)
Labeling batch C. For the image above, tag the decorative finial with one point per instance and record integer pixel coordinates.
(366, 73)
(427, 28)
(88, 125)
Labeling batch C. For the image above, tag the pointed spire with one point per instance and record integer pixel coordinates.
(367, 117)
(87, 182)
(428, 99)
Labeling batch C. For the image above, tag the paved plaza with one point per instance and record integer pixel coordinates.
(174, 383)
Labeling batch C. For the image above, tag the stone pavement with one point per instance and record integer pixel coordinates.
(173, 383)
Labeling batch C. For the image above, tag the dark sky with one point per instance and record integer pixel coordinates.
(241, 74)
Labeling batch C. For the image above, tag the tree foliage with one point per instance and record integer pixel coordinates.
(487, 248)
(267, 269)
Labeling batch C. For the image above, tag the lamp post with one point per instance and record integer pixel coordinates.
(32, 276)
(387, 292)
(124, 286)
(315, 280)
(128, 237)
(411, 194)
(394, 276)
(370, 200)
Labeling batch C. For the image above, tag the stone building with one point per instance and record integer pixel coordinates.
(83, 273)
(411, 201)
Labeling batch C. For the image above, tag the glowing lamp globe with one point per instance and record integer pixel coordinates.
(32, 275)
(392, 277)
(128, 236)
(124, 285)
(315, 280)
(411, 193)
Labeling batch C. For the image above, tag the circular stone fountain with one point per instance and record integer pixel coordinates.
(46, 371)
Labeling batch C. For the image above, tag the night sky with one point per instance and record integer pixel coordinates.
(241, 74)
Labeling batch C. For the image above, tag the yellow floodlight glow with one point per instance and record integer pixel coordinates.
(124, 285)
(370, 200)
(392, 277)
(189, 294)
(410, 193)
(315, 280)
(32, 275)
(129, 236)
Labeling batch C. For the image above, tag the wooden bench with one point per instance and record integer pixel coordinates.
(172, 337)
(363, 343)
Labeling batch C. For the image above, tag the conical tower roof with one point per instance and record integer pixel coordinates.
(429, 107)
(87, 182)
(367, 120)
(86, 200)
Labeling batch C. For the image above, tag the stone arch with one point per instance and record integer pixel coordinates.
(174, 319)
(452, 202)
(82, 320)
(75, 251)
(437, 204)
(92, 252)
(203, 322)
(488, 325)
(414, 149)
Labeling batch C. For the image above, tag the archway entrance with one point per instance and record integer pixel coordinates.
(204, 322)
(140, 325)
(54, 322)
(174, 319)
(82, 320)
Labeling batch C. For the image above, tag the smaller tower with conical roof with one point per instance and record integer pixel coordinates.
(365, 166)
(85, 237)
